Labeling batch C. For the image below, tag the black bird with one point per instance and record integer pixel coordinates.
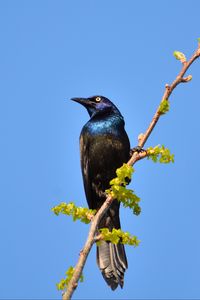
(104, 147)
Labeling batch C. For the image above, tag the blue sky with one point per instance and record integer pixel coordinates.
(52, 51)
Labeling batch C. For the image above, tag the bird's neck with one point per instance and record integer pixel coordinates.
(107, 117)
(101, 124)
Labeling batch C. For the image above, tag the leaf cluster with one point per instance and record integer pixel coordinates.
(164, 107)
(63, 284)
(78, 213)
(119, 191)
(118, 236)
(160, 154)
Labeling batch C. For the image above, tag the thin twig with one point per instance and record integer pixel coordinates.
(135, 157)
(86, 249)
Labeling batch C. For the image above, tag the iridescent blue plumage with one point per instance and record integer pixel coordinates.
(104, 147)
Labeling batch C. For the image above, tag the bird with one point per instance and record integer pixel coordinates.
(104, 147)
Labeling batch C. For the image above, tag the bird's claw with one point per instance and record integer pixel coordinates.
(137, 149)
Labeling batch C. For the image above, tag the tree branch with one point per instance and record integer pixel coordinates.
(135, 157)
(86, 249)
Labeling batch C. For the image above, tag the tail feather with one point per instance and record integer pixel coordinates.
(112, 262)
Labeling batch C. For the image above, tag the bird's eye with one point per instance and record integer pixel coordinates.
(98, 99)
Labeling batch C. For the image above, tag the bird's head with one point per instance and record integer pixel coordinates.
(97, 105)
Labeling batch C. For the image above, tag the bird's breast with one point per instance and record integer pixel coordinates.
(108, 126)
(105, 143)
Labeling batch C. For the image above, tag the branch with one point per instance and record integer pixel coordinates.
(168, 91)
(86, 249)
(135, 157)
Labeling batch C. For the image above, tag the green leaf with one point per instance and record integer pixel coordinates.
(119, 191)
(124, 172)
(160, 154)
(78, 213)
(180, 56)
(198, 40)
(118, 236)
(164, 107)
(63, 284)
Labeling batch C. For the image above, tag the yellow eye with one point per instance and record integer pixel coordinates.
(98, 99)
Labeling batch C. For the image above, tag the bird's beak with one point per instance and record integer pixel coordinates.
(84, 101)
(79, 100)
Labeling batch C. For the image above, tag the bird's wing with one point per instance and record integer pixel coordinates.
(84, 149)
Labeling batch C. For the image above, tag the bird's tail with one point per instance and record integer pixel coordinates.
(111, 259)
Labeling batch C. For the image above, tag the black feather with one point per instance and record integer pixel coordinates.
(104, 147)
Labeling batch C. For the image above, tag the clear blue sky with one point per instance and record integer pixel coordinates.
(52, 51)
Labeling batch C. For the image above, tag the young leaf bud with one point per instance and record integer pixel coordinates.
(180, 56)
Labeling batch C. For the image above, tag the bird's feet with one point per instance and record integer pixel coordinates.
(137, 149)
